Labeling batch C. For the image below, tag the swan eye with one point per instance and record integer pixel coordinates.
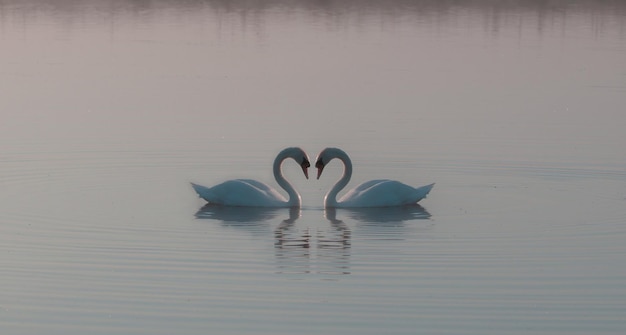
(305, 163)
(319, 164)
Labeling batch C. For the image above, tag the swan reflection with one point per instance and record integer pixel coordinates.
(322, 246)
(384, 223)
(339, 235)
(292, 248)
(286, 235)
(252, 219)
(322, 250)
(383, 215)
(237, 214)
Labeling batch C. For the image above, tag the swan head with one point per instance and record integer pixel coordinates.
(329, 154)
(326, 156)
(299, 156)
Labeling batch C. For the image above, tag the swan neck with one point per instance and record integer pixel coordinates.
(331, 197)
(293, 198)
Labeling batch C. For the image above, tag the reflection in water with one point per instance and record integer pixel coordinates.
(341, 6)
(325, 252)
(388, 214)
(497, 16)
(323, 249)
(236, 214)
(292, 248)
(252, 219)
(387, 223)
(297, 250)
(342, 236)
(283, 232)
(333, 248)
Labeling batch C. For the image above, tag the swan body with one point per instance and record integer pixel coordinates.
(252, 193)
(373, 193)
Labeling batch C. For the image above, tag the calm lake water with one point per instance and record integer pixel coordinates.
(516, 110)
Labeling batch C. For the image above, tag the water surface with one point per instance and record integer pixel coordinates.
(110, 108)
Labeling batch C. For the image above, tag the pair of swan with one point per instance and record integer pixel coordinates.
(374, 193)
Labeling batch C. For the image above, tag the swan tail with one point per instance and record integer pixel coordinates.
(422, 192)
(203, 192)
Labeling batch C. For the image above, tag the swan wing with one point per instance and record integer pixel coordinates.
(263, 187)
(368, 184)
(361, 189)
(383, 193)
(240, 192)
(257, 184)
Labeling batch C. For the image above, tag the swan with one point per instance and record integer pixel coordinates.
(373, 193)
(252, 193)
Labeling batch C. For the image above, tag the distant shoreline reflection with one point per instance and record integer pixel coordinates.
(312, 249)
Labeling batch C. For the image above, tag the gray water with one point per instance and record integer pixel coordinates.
(516, 110)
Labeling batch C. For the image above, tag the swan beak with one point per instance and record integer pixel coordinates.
(305, 168)
(320, 167)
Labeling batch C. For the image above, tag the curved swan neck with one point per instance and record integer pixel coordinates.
(330, 200)
(293, 198)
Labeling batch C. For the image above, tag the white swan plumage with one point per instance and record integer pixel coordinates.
(252, 193)
(373, 193)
